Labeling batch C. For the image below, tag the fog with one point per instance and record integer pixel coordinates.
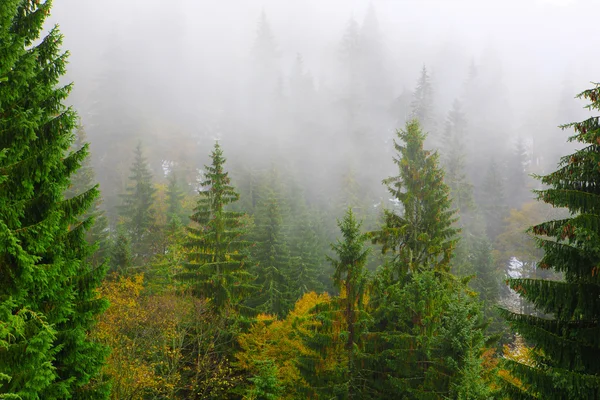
(178, 74)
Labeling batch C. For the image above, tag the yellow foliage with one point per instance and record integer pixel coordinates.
(145, 337)
(280, 342)
(520, 353)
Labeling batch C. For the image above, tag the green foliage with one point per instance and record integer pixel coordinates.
(136, 212)
(215, 267)
(48, 302)
(333, 368)
(566, 351)
(271, 253)
(493, 201)
(421, 235)
(428, 342)
(82, 181)
(265, 385)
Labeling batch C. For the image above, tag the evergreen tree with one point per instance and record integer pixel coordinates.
(136, 211)
(493, 201)
(342, 322)
(351, 278)
(48, 297)
(566, 349)
(215, 267)
(82, 181)
(175, 196)
(454, 155)
(421, 235)
(422, 106)
(271, 253)
(517, 192)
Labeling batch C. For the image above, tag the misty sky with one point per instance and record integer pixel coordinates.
(539, 41)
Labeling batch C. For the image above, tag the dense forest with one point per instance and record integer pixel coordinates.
(325, 237)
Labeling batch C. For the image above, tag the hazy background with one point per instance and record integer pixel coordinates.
(178, 74)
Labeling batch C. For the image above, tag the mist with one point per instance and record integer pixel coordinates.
(273, 81)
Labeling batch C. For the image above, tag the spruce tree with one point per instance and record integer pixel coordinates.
(493, 201)
(454, 156)
(566, 354)
(48, 298)
(426, 335)
(422, 105)
(136, 211)
(175, 196)
(271, 252)
(215, 267)
(341, 323)
(421, 234)
(83, 180)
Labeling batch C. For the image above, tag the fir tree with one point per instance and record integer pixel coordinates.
(48, 298)
(215, 267)
(420, 235)
(136, 211)
(566, 350)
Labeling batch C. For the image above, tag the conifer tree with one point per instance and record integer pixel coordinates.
(342, 322)
(48, 298)
(82, 181)
(136, 211)
(454, 142)
(566, 354)
(493, 201)
(517, 192)
(175, 196)
(271, 253)
(420, 235)
(215, 267)
(422, 106)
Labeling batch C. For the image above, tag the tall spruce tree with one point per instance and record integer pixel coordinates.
(48, 298)
(421, 235)
(426, 335)
(215, 267)
(342, 322)
(566, 354)
(136, 211)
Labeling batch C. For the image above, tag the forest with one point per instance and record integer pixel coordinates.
(348, 227)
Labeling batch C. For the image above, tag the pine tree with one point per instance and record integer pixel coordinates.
(48, 298)
(566, 349)
(215, 267)
(136, 211)
(421, 235)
